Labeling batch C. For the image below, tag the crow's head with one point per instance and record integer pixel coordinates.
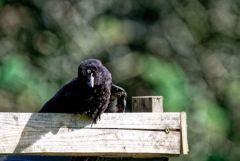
(94, 73)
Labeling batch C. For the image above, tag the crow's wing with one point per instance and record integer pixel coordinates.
(64, 98)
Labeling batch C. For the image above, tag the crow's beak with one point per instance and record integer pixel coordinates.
(90, 81)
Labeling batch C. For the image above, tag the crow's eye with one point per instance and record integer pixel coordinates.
(89, 71)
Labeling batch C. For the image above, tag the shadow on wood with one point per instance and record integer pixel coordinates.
(37, 125)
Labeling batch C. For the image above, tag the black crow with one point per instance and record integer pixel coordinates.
(88, 93)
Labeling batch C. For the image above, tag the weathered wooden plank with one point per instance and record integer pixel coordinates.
(147, 103)
(154, 121)
(128, 134)
(91, 142)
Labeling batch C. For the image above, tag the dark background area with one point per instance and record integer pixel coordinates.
(186, 51)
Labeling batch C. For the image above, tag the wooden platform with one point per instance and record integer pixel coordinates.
(116, 134)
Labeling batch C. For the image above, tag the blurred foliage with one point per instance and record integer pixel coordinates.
(167, 78)
(186, 51)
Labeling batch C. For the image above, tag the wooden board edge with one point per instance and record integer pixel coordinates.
(184, 140)
(107, 155)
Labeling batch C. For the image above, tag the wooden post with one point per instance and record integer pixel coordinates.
(147, 104)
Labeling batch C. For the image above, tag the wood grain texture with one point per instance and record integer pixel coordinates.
(147, 104)
(116, 134)
(145, 121)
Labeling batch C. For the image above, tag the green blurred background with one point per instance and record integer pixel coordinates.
(186, 51)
